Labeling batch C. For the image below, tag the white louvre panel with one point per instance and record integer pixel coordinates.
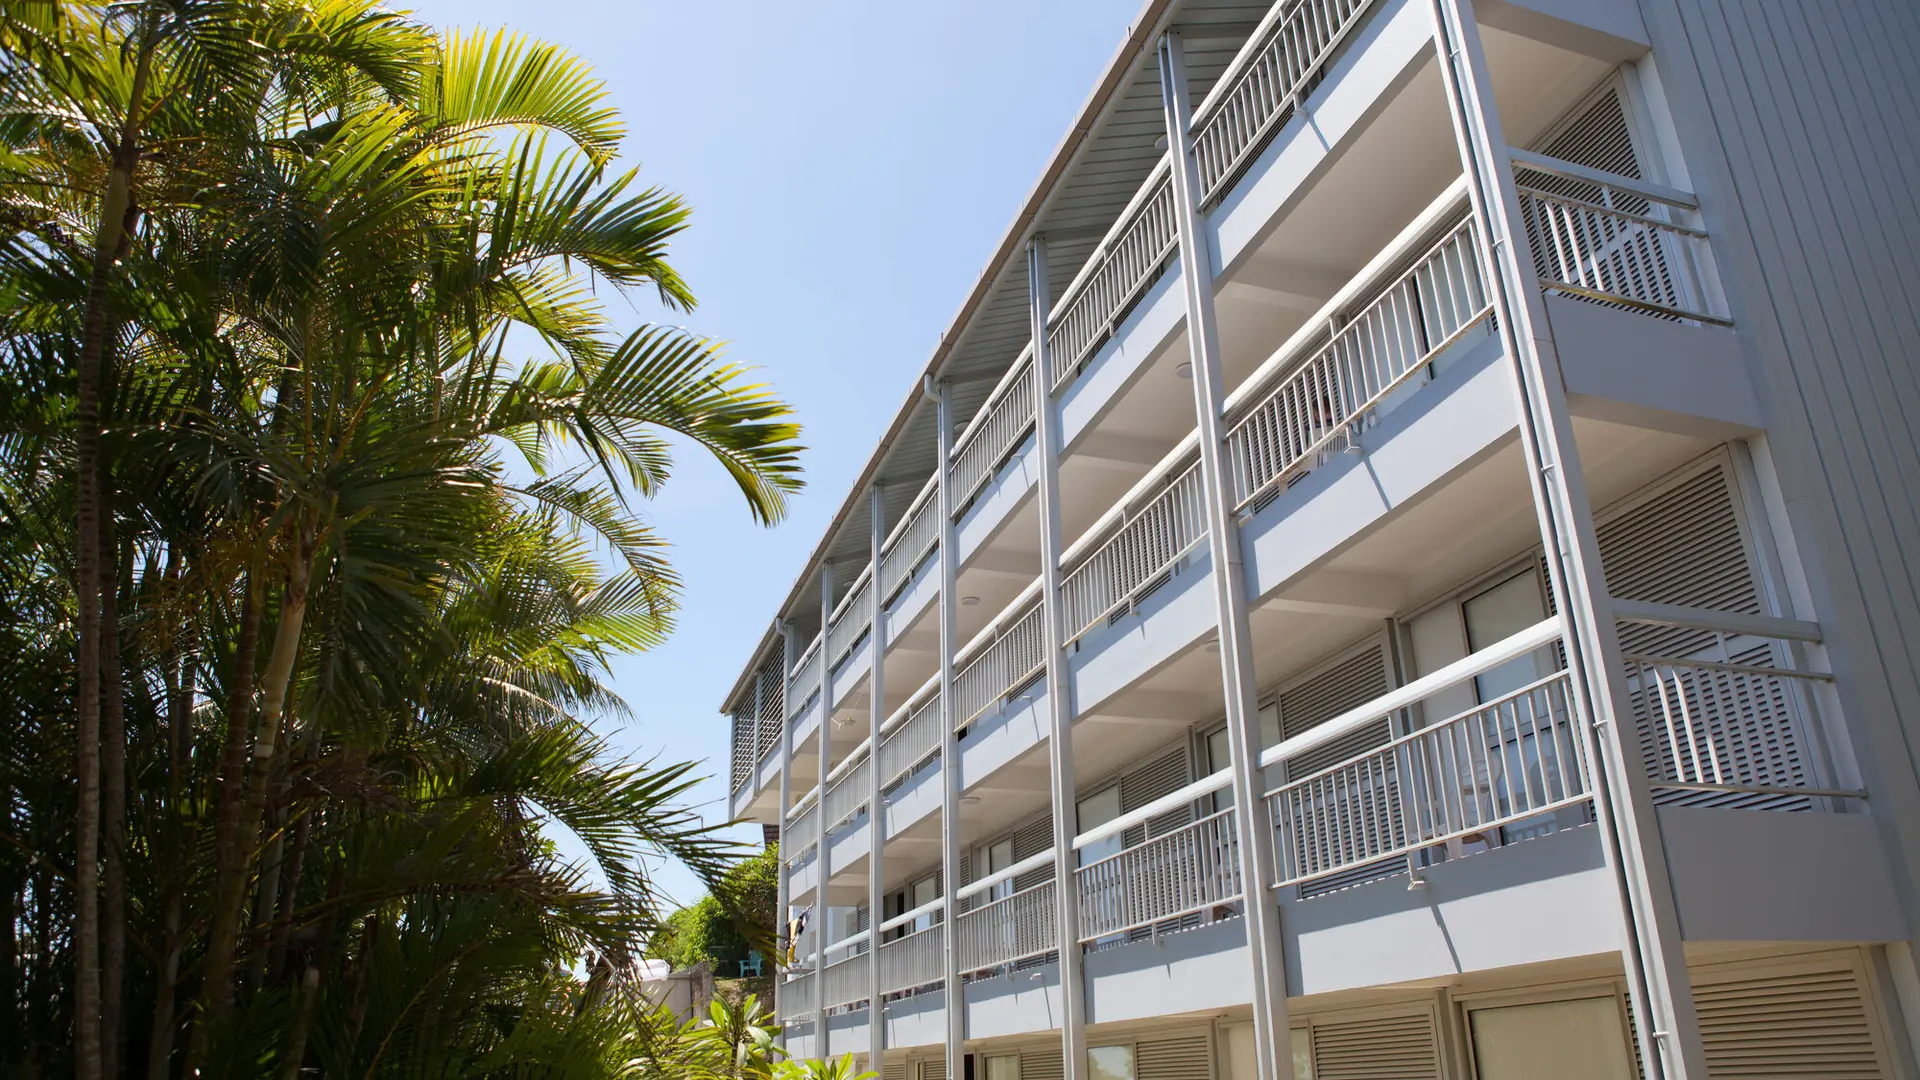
(1683, 545)
(1183, 1058)
(1343, 685)
(1030, 839)
(1042, 1064)
(1163, 775)
(1812, 1024)
(1594, 134)
(1381, 1048)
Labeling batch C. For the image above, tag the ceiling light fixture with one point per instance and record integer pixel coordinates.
(1185, 370)
(969, 601)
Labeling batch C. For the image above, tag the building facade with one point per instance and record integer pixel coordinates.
(1402, 566)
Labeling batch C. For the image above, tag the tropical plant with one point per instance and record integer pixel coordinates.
(314, 443)
(722, 927)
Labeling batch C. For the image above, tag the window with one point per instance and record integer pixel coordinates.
(1096, 810)
(922, 892)
(1568, 1040)
(1110, 1062)
(1501, 612)
(991, 859)
(1003, 1067)
(1219, 757)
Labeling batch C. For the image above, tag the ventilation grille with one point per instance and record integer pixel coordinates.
(894, 1070)
(1163, 775)
(1172, 1059)
(1042, 1064)
(1383, 1048)
(1029, 840)
(1801, 1025)
(933, 1069)
(1682, 546)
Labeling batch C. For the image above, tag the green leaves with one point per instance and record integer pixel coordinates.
(484, 83)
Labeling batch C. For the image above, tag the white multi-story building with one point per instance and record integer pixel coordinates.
(1404, 565)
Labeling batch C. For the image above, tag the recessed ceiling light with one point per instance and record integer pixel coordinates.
(1213, 646)
(970, 800)
(969, 601)
(1185, 370)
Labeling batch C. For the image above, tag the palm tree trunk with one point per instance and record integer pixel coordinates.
(113, 803)
(177, 673)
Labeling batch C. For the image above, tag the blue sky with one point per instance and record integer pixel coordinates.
(851, 166)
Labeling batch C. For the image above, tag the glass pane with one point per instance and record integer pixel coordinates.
(1220, 756)
(1110, 1062)
(1003, 1067)
(1500, 612)
(1567, 1040)
(1098, 809)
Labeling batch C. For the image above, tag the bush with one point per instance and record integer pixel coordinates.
(722, 927)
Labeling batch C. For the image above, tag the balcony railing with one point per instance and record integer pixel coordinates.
(913, 961)
(847, 790)
(803, 685)
(1613, 239)
(798, 838)
(907, 746)
(1322, 402)
(992, 437)
(1192, 869)
(770, 684)
(1464, 778)
(1120, 270)
(796, 997)
(746, 737)
(1725, 710)
(1143, 547)
(1265, 86)
(1014, 656)
(912, 540)
(852, 618)
(847, 981)
(1012, 928)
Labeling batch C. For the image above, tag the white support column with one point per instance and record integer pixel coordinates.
(821, 1050)
(955, 1000)
(1066, 891)
(1253, 825)
(784, 904)
(876, 813)
(1658, 985)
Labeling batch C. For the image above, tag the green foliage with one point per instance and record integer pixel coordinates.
(731, 921)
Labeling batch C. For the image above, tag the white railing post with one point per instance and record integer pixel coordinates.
(956, 1012)
(1060, 779)
(1254, 828)
(783, 871)
(876, 812)
(1658, 985)
(820, 861)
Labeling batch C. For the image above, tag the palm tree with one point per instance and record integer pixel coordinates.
(337, 599)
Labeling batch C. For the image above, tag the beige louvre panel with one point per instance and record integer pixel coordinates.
(1380, 1048)
(1042, 1064)
(933, 1069)
(1163, 775)
(894, 1070)
(1782, 1022)
(1030, 839)
(1183, 1058)
(1345, 684)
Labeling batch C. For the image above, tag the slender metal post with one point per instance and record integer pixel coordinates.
(783, 906)
(1253, 825)
(1066, 883)
(821, 869)
(876, 809)
(1658, 985)
(956, 1006)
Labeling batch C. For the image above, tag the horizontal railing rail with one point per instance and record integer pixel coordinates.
(796, 997)
(1517, 757)
(1726, 709)
(1143, 546)
(1322, 402)
(913, 961)
(803, 685)
(851, 619)
(1613, 239)
(995, 433)
(1014, 657)
(1117, 274)
(1011, 928)
(1265, 84)
(1188, 870)
(913, 539)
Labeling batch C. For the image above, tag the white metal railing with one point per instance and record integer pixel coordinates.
(846, 980)
(1143, 546)
(907, 746)
(999, 427)
(798, 838)
(916, 960)
(803, 684)
(1188, 870)
(1265, 85)
(1113, 278)
(796, 997)
(770, 687)
(912, 541)
(1015, 655)
(1493, 765)
(851, 619)
(1011, 928)
(1724, 716)
(1325, 399)
(1613, 239)
(847, 792)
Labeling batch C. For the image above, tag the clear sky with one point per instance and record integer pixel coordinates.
(851, 165)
